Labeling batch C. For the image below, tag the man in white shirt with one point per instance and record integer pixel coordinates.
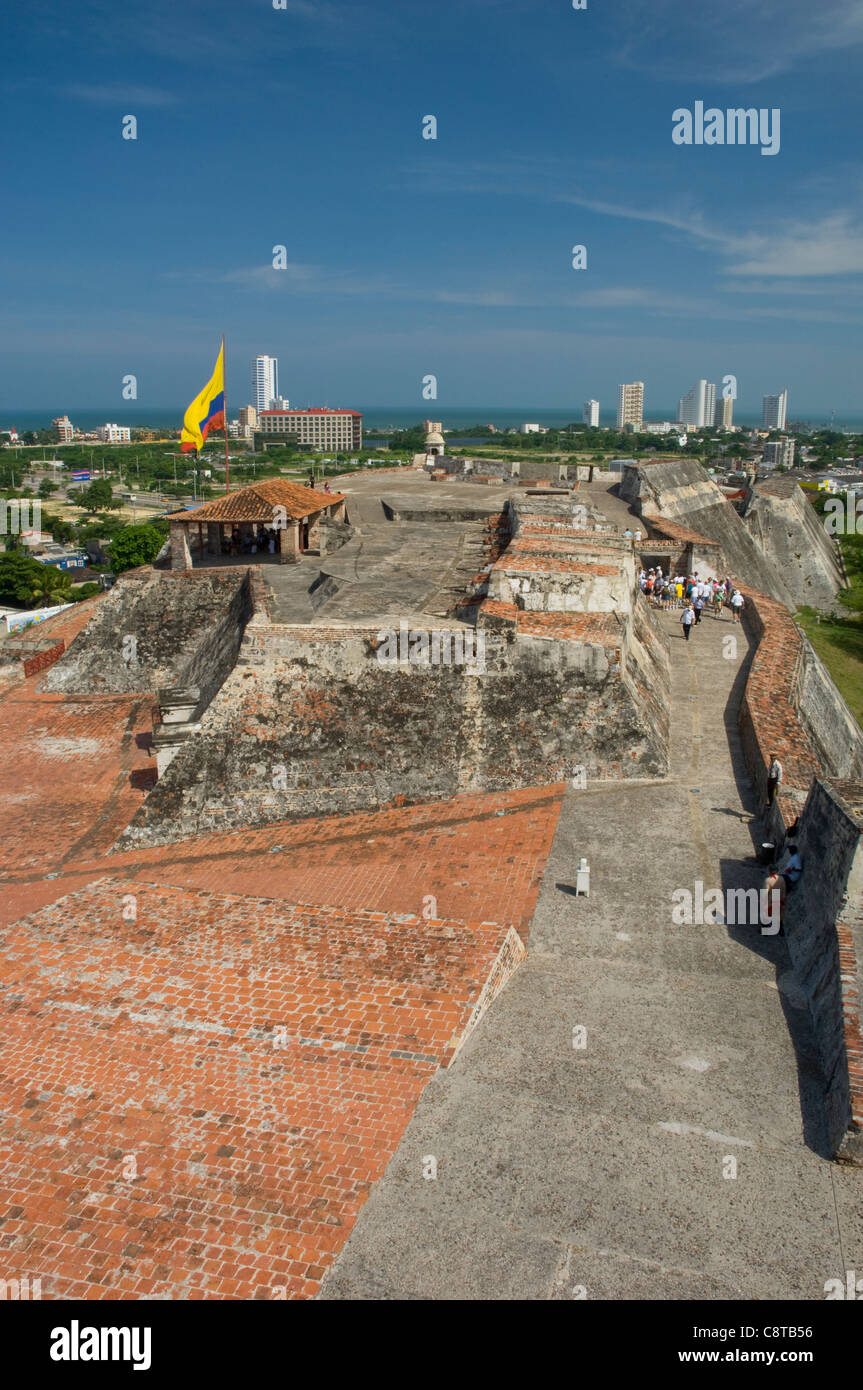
(774, 779)
(793, 866)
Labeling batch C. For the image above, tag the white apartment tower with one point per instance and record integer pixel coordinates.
(773, 411)
(710, 404)
(630, 404)
(590, 414)
(265, 382)
(697, 408)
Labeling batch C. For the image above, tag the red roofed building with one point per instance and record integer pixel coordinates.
(319, 427)
(288, 515)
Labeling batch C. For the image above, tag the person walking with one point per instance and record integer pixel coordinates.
(698, 606)
(718, 598)
(774, 779)
(687, 619)
(736, 605)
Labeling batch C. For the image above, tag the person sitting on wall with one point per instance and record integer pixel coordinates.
(793, 867)
(773, 882)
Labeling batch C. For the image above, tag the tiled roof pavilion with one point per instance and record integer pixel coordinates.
(256, 503)
(297, 525)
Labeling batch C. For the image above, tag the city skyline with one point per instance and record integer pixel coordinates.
(694, 264)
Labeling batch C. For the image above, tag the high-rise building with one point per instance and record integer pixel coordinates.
(337, 430)
(590, 414)
(724, 413)
(265, 382)
(696, 409)
(774, 410)
(248, 416)
(64, 428)
(630, 404)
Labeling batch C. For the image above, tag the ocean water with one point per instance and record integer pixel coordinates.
(384, 417)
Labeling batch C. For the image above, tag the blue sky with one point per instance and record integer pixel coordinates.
(302, 126)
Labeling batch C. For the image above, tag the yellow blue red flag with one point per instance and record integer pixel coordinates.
(207, 411)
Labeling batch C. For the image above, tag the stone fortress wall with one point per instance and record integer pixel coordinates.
(573, 677)
(156, 628)
(788, 530)
(824, 928)
(305, 719)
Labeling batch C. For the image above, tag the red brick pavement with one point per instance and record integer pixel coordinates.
(152, 1039)
(197, 1103)
(65, 766)
(477, 856)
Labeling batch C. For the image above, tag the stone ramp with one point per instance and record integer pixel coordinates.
(602, 1168)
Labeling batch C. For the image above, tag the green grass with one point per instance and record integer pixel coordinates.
(839, 644)
(838, 640)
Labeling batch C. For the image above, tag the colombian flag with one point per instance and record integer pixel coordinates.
(207, 411)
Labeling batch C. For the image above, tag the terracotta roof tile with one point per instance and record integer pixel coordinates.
(256, 503)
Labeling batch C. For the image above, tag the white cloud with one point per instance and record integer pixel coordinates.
(737, 41)
(833, 246)
(265, 276)
(120, 94)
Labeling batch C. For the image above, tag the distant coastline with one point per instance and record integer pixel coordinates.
(388, 417)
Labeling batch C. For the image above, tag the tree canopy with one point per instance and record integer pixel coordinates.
(136, 545)
(99, 496)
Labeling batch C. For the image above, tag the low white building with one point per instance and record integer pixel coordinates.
(114, 434)
(779, 453)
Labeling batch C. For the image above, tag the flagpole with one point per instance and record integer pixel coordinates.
(225, 404)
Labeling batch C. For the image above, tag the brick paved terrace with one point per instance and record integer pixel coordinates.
(198, 1101)
(210, 1052)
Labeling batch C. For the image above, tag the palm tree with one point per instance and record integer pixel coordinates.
(51, 586)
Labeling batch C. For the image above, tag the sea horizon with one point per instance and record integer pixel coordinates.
(391, 417)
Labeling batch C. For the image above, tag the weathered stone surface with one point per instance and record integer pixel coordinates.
(315, 710)
(158, 629)
(829, 892)
(314, 721)
(788, 530)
